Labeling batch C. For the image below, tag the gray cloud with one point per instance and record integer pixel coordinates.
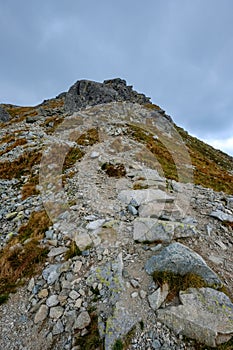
(178, 52)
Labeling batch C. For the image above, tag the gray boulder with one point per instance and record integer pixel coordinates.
(178, 259)
(205, 315)
(89, 93)
(4, 115)
(151, 230)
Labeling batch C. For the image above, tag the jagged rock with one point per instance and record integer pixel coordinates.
(151, 230)
(89, 93)
(57, 251)
(82, 321)
(204, 314)
(41, 314)
(51, 273)
(4, 115)
(82, 240)
(52, 301)
(178, 259)
(219, 214)
(145, 196)
(56, 312)
(94, 225)
(58, 328)
(158, 297)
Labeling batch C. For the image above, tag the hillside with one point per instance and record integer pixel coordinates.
(116, 226)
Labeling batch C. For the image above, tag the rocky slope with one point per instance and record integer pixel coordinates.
(116, 227)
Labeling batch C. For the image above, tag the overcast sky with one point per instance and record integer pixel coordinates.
(178, 52)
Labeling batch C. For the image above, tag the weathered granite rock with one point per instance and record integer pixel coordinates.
(57, 251)
(51, 273)
(82, 321)
(89, 93)
(219, 214)
(205, 315)
(151, 230)
(145, 196)
(178, 259)
(41, 314)
(158, 297)
(4, 115)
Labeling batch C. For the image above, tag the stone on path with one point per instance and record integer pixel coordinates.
(145, 196)
(179, 259)
(205, 315)
(151, 230)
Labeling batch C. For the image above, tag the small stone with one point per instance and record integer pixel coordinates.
(94, 225)
(134, 295)
(41, 314)
(158, 297)
(132, 210)
(52, 301)
(11, 216)
(57, 251)
(94, 155)
(142, 294)
(56, 312)
(82, 292)
(156, 344)
(31, 284)
(77, 266)
(43, 293)
(82, 321)
(78, 303)
(74, 295)
(134, 283)
(58, 328)
(51, 273)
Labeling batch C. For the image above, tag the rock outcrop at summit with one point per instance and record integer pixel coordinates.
(89, 93)
(4, 115)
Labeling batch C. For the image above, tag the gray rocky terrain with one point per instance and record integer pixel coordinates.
(134, 260)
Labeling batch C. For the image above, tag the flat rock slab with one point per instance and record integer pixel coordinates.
(205, 315)
(220, 215)
(145, 196)
(179, 259)
(151, 230)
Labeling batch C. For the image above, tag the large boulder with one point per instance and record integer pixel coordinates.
(180, 260)
(89, 93)
(4, 115)
(205, 315)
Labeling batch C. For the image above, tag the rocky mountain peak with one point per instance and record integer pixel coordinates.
(116, 227)
(89, 93)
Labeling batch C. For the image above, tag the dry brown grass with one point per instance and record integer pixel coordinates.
(55, 120)
(114, 170)
(53, 103)
(157, 148)
(20, 166)
(18, 142)
(72, 157)
(29, 188)
(19, 259)
(88, 138)
(152, 106)
(212, 167)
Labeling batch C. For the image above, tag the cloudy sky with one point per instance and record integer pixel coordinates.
(178, 52)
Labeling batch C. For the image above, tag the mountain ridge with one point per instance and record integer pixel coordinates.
(116, 227)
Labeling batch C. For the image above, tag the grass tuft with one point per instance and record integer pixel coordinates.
(114, 170)
(72, 251)
(91, 340)
(19, 259)
(177, 282)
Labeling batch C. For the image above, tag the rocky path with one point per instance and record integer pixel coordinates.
(126, 226)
